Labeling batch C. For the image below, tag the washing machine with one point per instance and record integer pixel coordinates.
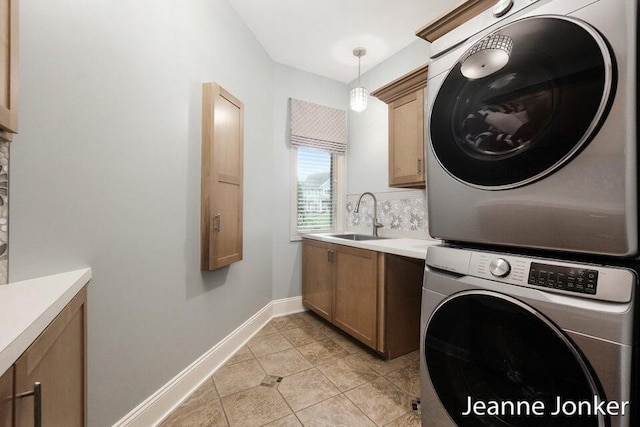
(509, 340)
(531, 111)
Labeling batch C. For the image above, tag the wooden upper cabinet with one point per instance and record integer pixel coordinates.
(454, 18)
(405, 97)
(222, 170)
(8, 68)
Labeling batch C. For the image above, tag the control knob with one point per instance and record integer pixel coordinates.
(500, 267)
(502, 7)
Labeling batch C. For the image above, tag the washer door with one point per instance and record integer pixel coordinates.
(489, 347)
(508, 125)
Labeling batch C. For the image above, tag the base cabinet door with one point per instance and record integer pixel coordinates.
(6, 398)
(317, 277)
(56, 360)
(355, 293)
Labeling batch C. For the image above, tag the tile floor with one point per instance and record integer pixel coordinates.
(300, 371)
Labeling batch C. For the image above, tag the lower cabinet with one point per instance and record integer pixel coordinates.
(372, 296)
(355, 292)
(317, 279)
(56, 360)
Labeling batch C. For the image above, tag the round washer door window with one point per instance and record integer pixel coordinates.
(522, 101)
(484, 346)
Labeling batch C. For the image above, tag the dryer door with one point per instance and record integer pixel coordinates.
(522, 101)
(482, 346)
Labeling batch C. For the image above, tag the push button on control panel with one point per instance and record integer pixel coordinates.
(566, 278)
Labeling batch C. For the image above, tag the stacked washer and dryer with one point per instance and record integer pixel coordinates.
(528, 308)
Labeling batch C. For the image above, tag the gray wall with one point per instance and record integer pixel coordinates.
(291, 82)
(106, 173)
(368, 160)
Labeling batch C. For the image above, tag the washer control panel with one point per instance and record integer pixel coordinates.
(573, 279)
(590, 281)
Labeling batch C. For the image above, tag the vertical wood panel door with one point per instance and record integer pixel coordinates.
(317, 277)
(8, 68)
(403, 293)
(56, 359)
(222, 177)
(355, 293)
(406, 141)
(6, 398)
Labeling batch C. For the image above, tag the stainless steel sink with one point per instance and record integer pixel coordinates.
(353, 236)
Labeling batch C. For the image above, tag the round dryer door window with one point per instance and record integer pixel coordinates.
(522, 101)
(482, 346)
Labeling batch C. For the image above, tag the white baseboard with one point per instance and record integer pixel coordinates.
(285, 306)
(164, 401)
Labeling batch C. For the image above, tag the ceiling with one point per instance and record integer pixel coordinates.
(319, 35)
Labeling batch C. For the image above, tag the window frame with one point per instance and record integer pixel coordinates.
(339, 162)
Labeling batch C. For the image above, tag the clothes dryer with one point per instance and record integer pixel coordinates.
(532, 128)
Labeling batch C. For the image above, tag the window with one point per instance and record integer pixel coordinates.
(316, 191)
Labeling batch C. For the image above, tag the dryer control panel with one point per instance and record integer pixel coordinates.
(565, 278)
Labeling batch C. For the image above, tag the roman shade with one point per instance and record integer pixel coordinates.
(318, 127)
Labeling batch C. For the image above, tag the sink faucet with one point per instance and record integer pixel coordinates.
(376, 224)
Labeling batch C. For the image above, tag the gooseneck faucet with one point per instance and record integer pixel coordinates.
(376, 223)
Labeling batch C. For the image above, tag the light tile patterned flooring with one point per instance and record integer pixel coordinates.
(328, 379)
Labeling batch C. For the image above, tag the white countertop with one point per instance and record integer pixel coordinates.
(412, 248)
(27, 308)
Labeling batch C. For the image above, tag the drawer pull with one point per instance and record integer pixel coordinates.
(37, 402)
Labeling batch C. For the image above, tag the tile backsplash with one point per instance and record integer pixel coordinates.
(402, 213)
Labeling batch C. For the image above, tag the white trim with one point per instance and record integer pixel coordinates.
(286, 306)
(340, 161)
(165, 400)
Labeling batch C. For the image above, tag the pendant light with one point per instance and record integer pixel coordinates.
(359, 94)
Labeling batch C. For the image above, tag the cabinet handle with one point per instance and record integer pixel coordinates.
(419, 165)
(37, 402)
(216, 222)
(330, 253)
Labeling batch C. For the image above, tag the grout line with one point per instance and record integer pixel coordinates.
(314, 366)
(396, 419)
(360, 409)
(224, 411)
(283, 398)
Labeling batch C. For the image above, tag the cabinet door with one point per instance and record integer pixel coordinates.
(355, 295)
(222, 175)
(8, 68)
(56, 359)
(317, 277)
(6, 398)
(406, 141)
